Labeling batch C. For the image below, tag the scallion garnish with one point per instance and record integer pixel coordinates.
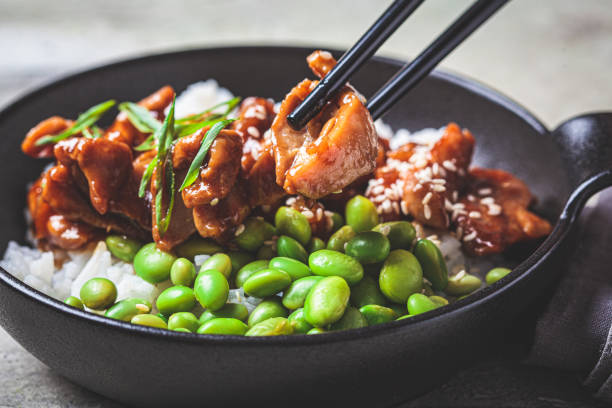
(164, 222)
(146, 176)
(231, 104)
(141, 117)
(207, 140)
(84, 121)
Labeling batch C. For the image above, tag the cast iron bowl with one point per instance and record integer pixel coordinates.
(374, 366)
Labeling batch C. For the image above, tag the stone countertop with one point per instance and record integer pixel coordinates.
(553, 56)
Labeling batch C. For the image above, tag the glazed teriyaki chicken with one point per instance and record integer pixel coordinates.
(122, 180)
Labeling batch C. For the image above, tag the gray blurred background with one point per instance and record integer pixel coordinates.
(552, 56)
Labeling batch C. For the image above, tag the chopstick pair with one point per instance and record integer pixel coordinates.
(409, 75)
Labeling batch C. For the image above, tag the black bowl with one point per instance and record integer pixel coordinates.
(374, 366)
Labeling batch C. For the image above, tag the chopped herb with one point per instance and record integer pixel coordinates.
(84, 121)
(93, 133)
(141, 117)
(231, 104)
(207, 140)
(146, 176)
(148, 144)
(164, 222)
(188, 129)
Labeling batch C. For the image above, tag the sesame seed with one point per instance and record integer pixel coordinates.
(438, 188)
(379, 198)
(470, 236)
(253, 131)
(494, 209)
(470, 197)
(386, 206)
(378, 190)
(448, 206)
(474, 214)
(487, 200)
(455, 195)
(449, 165)
(319, 213)
(214, 202)
(395, 207)
(309, 214)
(404, 207)
(484, 191)
(417, 187)
(239, 230)
(438, 181)
(426, 212)
(427, 198)
(435, 169)
(291, 201)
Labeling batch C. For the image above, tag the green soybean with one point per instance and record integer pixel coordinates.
(419, 303)
(152, 264)
(439, 300)
(276, 326)
(182, 272)
(376, 314)
(351, 319)
(367, 292)
(123, 247)
(299, 322)
(267, 309)
(126, 309)
(230, 310)
(361, 214)
(266, 252)
(401, 234)
(266, 282)
(224, 325)
(183, 320)
(293, 223)
(176, 299)
(74, 302)
(316, 330)
(289, 247)
(219, 262)
(254, 234)
(337, 221)
(496, 274)
(404, 317)
(339, 238)
(462, 284)
(98, 293)
(149, 320)
(316, 244)
(249, 269)
(399, 308)
(432, 263)
(326, 301)
(182, 330)
(295, 295)
(197, 246)
(368, 247)
(333, 263)
(163, 317)
(239, 259)
(400, 276)
(293, 267)
(211, 289)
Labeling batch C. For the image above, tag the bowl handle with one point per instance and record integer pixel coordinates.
(585, 143)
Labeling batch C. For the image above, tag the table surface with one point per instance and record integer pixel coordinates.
(552, 55)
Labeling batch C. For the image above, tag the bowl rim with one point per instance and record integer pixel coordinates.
(484, 295)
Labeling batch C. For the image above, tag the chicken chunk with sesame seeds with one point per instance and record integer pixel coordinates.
(494, 213)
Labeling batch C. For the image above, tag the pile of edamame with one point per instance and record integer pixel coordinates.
(366, 273)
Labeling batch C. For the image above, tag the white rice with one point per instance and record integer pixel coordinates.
(38, 270)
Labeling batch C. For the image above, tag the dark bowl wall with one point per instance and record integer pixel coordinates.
(379, 365)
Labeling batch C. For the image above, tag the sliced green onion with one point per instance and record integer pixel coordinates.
(231, 104)
(164, 223)
(141, 117)
(207, 140)
(188, 129)
(84, 121)
(146, 176)
(148, 144)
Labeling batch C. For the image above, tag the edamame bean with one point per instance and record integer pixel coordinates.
(266, 252)
(126, 309)
(337, 221)
(316, 330)
(175, 299)
(368, 247)
(462, 284)
(339, 238)
(351, 319)
(266, 282)
(249, 269)
(276, 326)
(152, 264)
(293, 223)
(361, 214)
(376, 314)
(163, 317)
(439, 300)
(182, 330)
(183, 320)
(229, 310)
(333, 263)
(98, 293)
(254, 234)
(123, 247)
(298, 321)
(400, 276)
(197, 246)
(74, 302)
(293, 267)
(211, 289)
(401, 234)
(404, 317)
(295, 295)
(399, 308)
(496, 274)
(219, 262)
(149, 320)
(267, 309)
(239, 259)
(289, 247)
(367, 292)
(419, 303)
(182, 272)
(316, 244)
(326, 301)
(432, 263)
(223, 325)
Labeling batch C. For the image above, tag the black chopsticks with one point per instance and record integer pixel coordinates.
(409, 75)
